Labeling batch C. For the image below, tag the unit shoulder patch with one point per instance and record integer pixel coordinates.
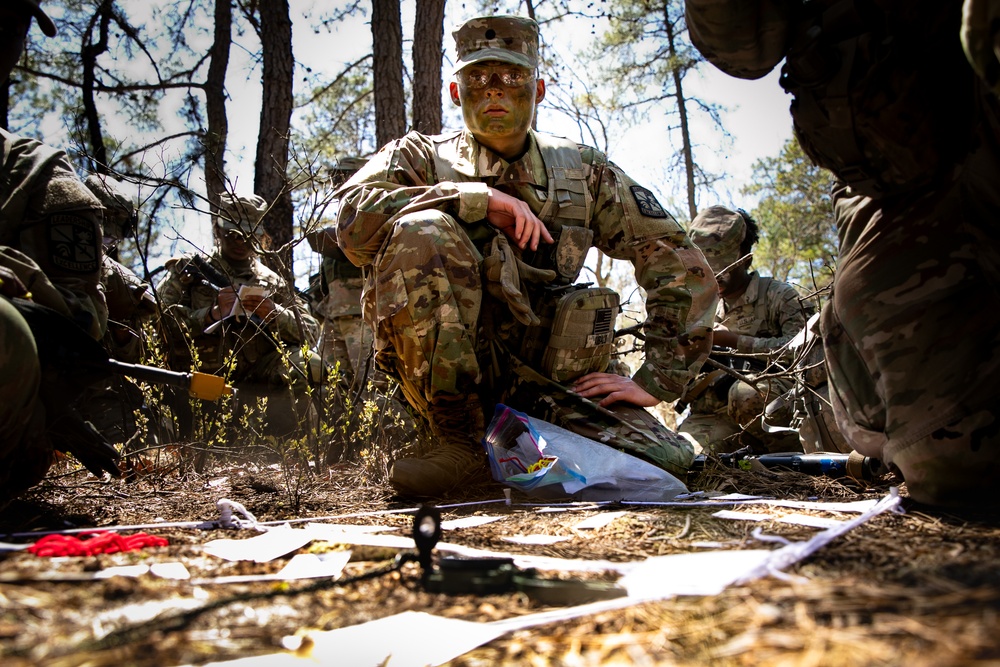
(73, 244)
(646, 201)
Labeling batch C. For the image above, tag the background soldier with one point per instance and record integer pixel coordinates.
(130, 300)
(110, 406)
(345, 339)
(230, 315)
(472, 242)
(885, 98)
(50, 231)
(756, 315)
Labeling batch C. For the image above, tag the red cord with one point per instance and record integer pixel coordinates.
(101, 543)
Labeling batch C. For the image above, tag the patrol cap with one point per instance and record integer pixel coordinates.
(242, 212)
(509, 39)
(718, 232)
(119, 211)
(44, 22)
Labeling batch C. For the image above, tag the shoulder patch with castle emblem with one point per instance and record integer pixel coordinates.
(646, 201)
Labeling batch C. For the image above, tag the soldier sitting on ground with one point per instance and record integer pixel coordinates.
(345, 339)
(756, 315)
(111, 405)
(230, 315)
(473, 242)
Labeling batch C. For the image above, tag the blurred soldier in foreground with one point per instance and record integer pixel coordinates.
(230, 315)
(472, 242)
(885, 98)
(50, 253)
(756, 315)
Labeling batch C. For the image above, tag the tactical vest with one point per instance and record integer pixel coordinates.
(576, 334)
(883, 94)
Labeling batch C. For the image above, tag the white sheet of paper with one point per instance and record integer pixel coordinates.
(265, 547)
(795, 518)
(122, 571)
(598, 520)
(314, 566)
(170, 571)
(410, 639)
(703, 573)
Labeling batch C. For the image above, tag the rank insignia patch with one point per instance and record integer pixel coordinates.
(647, 203)
(73, 244)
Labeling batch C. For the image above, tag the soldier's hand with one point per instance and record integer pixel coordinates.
(225, 300)
(261, 306)
(514, 218)
(614, 389)
(10, 285)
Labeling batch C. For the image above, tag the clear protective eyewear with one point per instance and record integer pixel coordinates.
(479, 77)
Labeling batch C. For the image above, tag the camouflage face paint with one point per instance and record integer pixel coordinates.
(497, 115)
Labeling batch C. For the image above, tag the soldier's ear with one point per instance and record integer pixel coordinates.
(453, 89)
(539, 90)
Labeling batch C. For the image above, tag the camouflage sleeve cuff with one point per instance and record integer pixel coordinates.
(645, 377)
(473, 200)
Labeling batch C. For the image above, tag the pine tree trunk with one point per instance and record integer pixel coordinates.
(387, 40)
(215, 103)
(428, 37)
(270, 175)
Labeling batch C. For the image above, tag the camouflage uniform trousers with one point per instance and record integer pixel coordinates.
(424, 305)
(723, 425)
(912, 333)
(24, 454)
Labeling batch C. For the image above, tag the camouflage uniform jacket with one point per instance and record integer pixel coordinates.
(627, 221)
(185, 300)
(47, 213)
(130, 304)
(766, 316)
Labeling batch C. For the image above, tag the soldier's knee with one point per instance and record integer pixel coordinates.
(18, 356)
(425, 226)
(745, 403)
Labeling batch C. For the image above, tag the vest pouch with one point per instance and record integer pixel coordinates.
(583, 334)
(571, 251)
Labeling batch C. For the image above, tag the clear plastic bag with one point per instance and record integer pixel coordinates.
(545, 460)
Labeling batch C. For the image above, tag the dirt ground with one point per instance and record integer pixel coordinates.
(920, 588)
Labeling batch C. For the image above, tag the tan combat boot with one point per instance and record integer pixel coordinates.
(449, 465)
(457, 459)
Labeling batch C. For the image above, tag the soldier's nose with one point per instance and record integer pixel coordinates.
(495, 83)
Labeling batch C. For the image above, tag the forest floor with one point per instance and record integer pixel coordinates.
(920, 587)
